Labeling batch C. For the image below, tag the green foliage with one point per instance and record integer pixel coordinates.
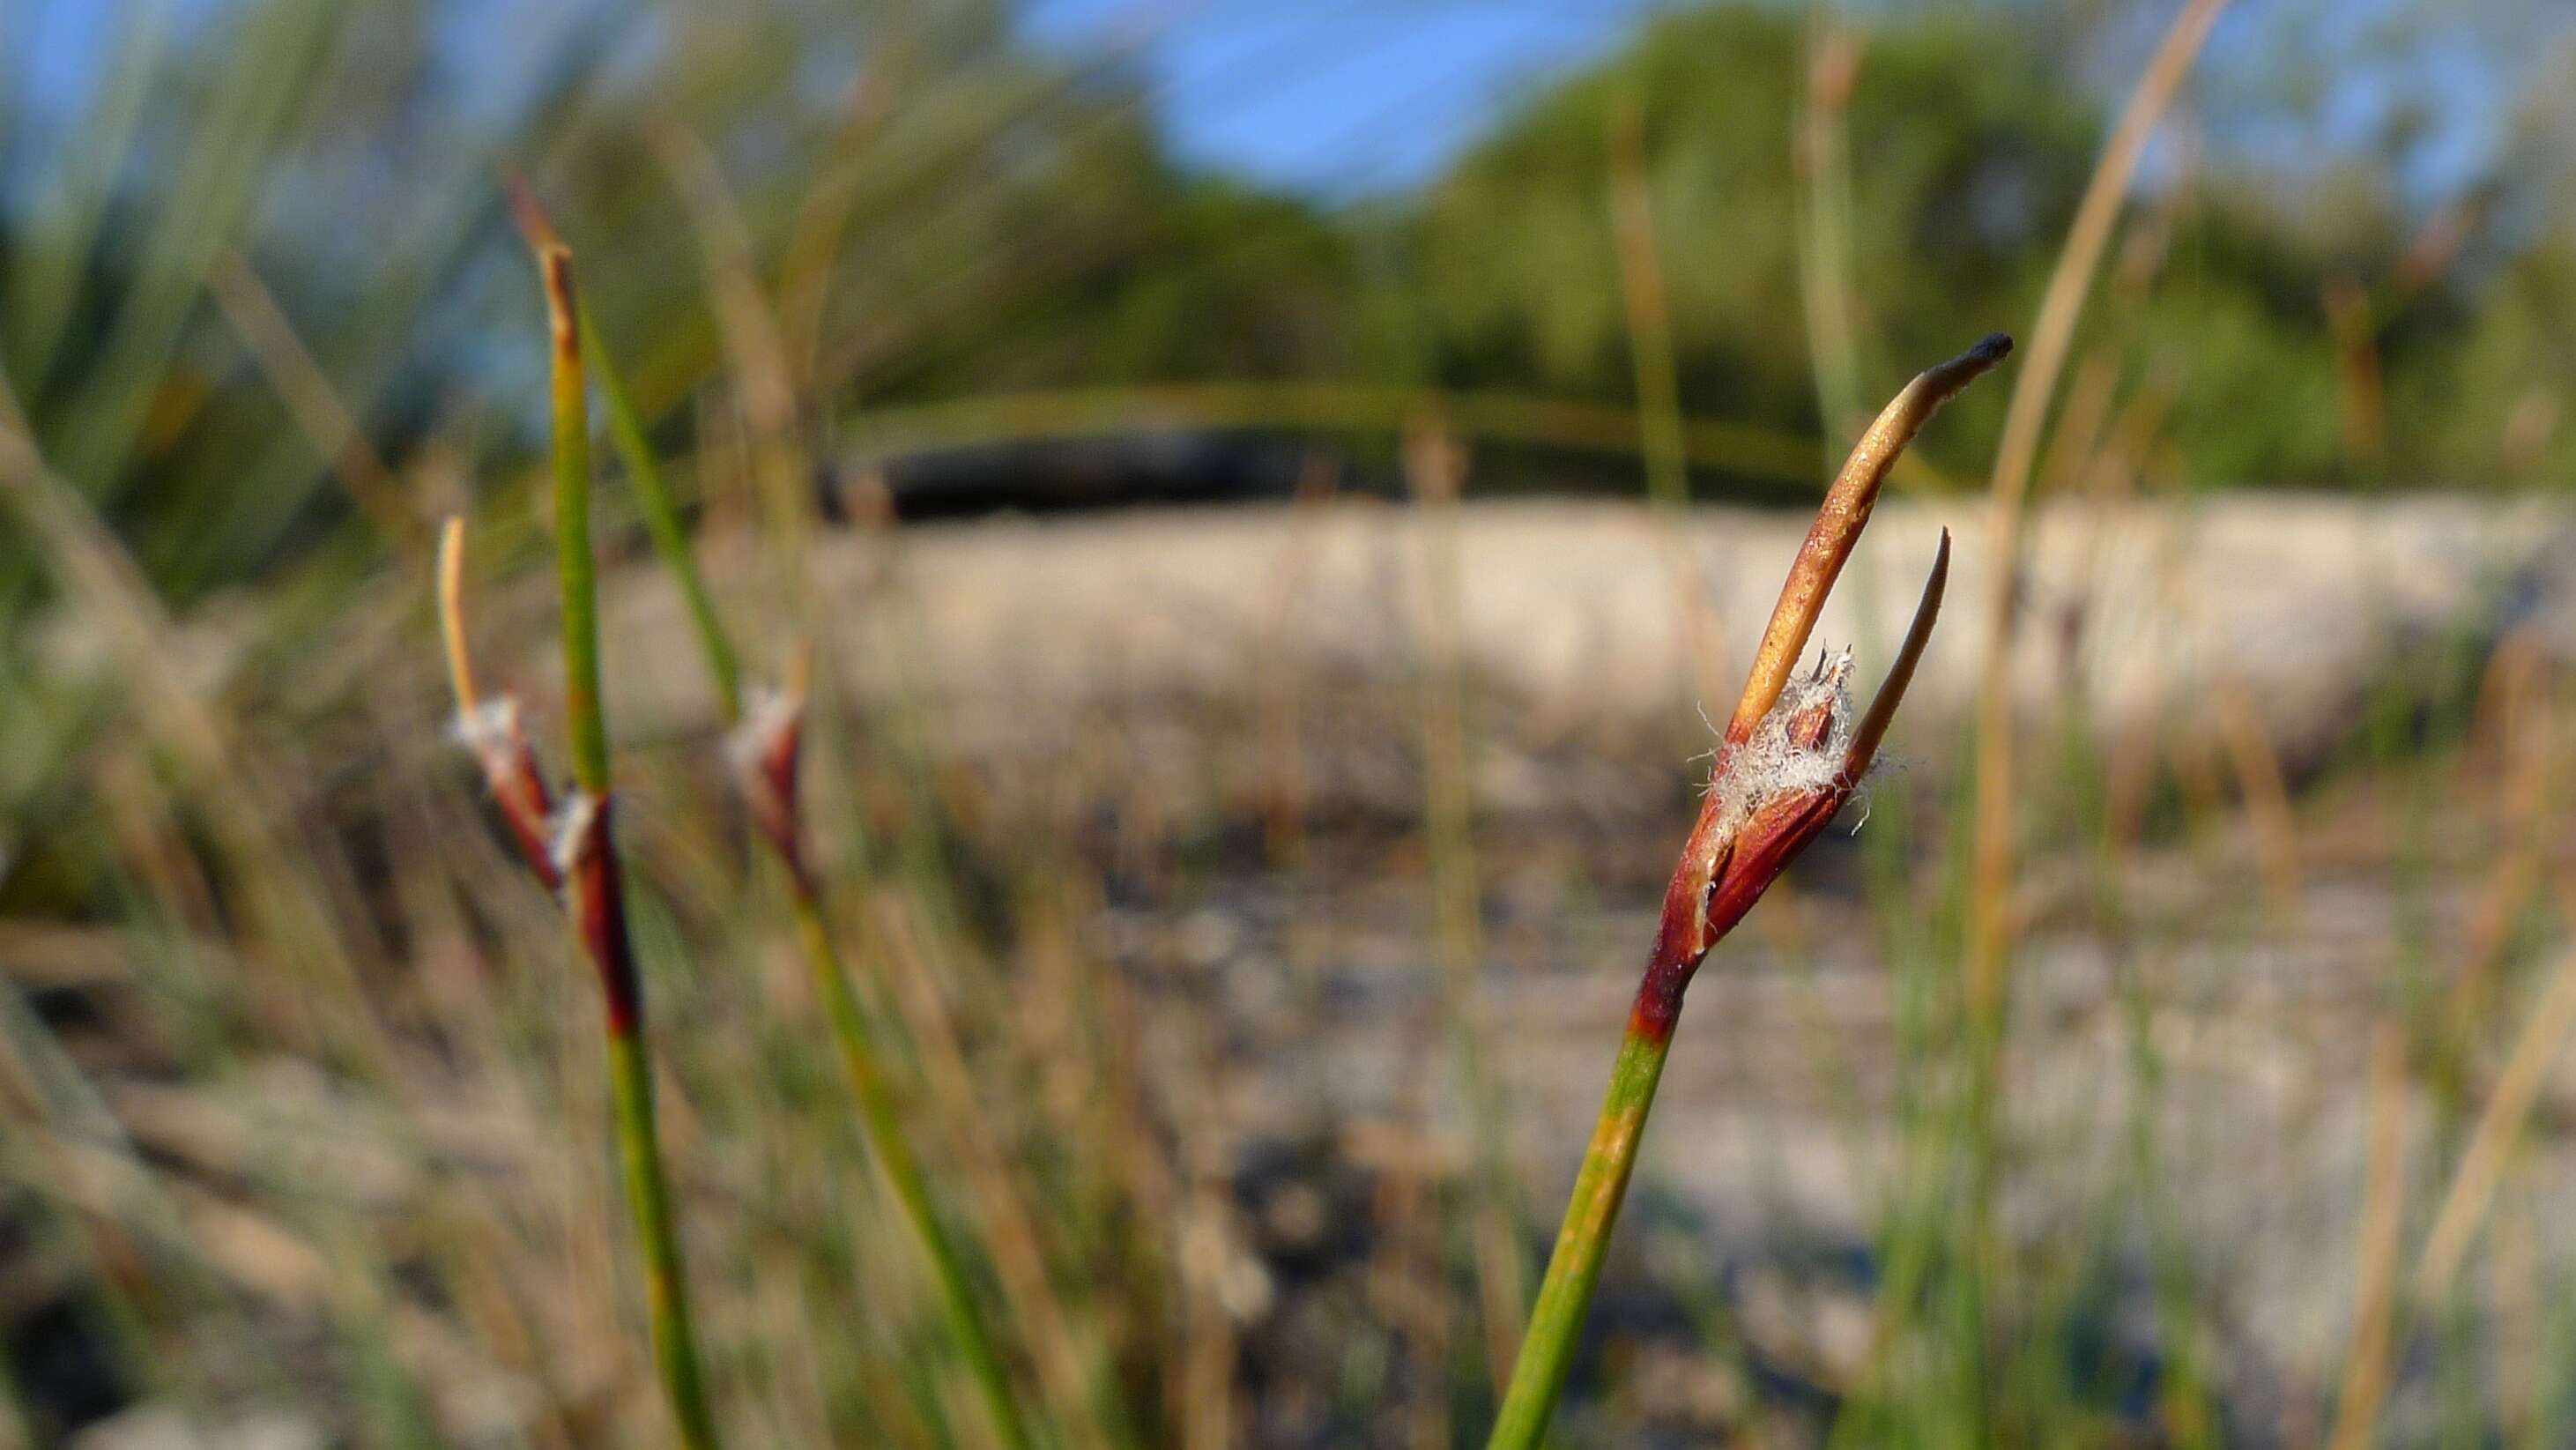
(228, 812)
(1970, 143)
(987, 218)
(1969, 156)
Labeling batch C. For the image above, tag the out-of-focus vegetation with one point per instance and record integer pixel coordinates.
(952, 213)
(299, 1107)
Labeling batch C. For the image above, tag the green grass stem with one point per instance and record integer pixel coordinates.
(1747, 833)
(574, 566)
(662, 518)
(884, 1129)
(1574, 1267)
(648, 1199)
(879, 1121)
(599, 905)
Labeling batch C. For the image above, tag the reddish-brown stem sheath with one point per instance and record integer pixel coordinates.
(521, 793)
(599, 912)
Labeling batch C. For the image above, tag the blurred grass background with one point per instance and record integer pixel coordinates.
(302, 1139)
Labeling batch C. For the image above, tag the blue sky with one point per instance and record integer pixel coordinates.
(1347, 98)
(1344, 98)
(1328, 97)
(1338, 97)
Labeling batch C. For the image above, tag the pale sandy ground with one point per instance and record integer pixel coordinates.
(1574, 615)
(1145, 662)
(1776, 1127)
(1171, 635)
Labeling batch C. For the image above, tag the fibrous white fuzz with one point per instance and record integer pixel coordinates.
(570, 828)
(1771, 765)
(766, 714)
(489, 726)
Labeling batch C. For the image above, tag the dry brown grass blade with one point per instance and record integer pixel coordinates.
(2500, 1123)
(103, 581)
(1661, 439)
(451, 615)
(2265, 791)
(1823, 172)
(1435, 467)
(808, 265)
(1060, 1346)
(2509, 712)
(2362, 392)
(2062, 304)
(2052, 334)
(2383, 1218)
(314, 404)
(1649, 313)
(2499, 1127)
(754, 346)
(297, 900)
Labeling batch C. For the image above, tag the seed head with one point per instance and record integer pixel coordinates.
(1792, 754)
(763, 753)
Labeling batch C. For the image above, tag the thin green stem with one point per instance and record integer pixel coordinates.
(573, 563)
(1738, 848)
(662, 519)
(1574, 1267)
(884, 1130)
(591, 869)
(1435, 468)
(666, 1280)
(879, 1122)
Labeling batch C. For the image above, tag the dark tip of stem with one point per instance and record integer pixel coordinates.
(1993, 348)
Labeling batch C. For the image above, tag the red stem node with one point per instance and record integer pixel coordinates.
(598, 902)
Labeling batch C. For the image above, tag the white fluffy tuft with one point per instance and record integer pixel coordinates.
(765, 713)
(571, 825)
(491, 725)
(1769, 765)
